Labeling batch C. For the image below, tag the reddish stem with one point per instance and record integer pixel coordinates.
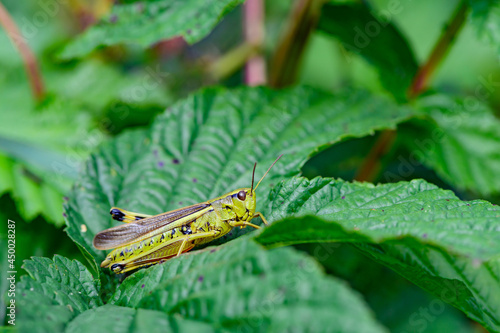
(371, 164)
(370, 167)
(255, 69)
(439, 51)
(28, 57)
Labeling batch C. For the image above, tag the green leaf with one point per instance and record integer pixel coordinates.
(112, 318)
(447, 246)
(485, 16)
(398, 304)
(376, 213)
(205, 146)
(35, 192)
(39, 155)
(240, 286)
(96, 85)
(470, 285)
(148, 22)
(460, 139)
(34, 237)
(54, 292)
(374, 38)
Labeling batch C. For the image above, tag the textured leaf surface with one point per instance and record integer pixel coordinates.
(460, 139)
(241, 286)
(148, 22)
(398, 304)
(377, 213)
(378, 41)
(445, 245)
(111, 318)
(206, 145)
(469, 284)
(486, 17)
(54, 292)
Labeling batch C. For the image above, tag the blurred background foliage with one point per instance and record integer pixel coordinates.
(90, 99)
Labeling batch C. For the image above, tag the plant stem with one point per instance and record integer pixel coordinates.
(232, 61)
(28, 57)
(286, 60)
(439, 51)
(370, 167)
(255, 69)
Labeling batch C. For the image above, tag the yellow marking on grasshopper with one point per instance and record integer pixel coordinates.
(146, 239)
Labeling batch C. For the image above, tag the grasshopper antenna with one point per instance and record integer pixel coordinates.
(267, 171)
(253, 176)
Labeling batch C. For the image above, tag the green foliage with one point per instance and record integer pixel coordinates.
(33, 196)
(408, 220)
(398, 304)
(405, 249)
(145, 23)
(376, 214)
(139, 169)
(57, 290)
(401, 217)
(460, 139)
(369, 36)
(486, 18)
(205, 146)
(38, 154)
(34, 238)
(260, 290)
(42, 144)
(111, 318)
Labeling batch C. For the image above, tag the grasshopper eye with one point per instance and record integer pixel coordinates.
(242, 195)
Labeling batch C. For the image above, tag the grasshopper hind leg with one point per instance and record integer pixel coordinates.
(162, 254)
(191, 237)
(123, 215)
(156, 257)
(183, 244)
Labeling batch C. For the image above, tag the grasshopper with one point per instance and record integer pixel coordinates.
(150, 239)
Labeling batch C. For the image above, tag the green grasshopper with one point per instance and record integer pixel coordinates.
(150, 239)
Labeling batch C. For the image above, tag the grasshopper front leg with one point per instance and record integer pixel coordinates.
(259, 214)
(243, 224)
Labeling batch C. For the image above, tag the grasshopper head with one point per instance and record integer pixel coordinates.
(244, 203)
(245, 199)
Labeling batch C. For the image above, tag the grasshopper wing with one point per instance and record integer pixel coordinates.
(135, 231)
